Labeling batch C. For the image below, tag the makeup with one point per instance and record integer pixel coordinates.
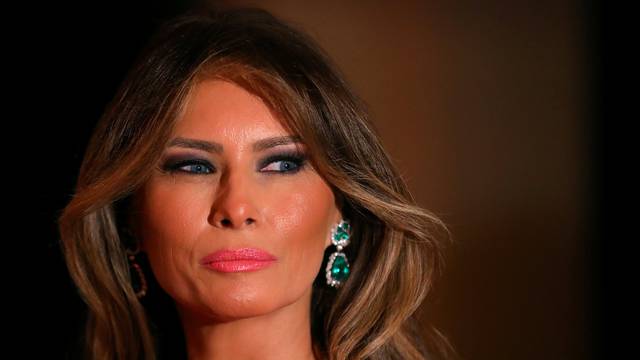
(238, 260)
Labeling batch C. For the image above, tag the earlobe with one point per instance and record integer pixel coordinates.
(336, 220)
(141, 244)
(132, 223)
(137, 238)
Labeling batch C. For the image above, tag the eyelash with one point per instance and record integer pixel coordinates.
(297, 159)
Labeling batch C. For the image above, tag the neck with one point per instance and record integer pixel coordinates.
(282, 334)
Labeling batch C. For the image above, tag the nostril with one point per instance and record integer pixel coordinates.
(225, 222)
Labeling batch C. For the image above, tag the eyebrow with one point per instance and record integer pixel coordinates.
(214, 147)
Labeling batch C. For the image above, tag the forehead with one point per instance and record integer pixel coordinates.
(222, 110)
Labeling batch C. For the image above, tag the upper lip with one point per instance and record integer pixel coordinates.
(238, 254)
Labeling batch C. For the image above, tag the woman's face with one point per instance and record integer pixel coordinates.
(229, 181)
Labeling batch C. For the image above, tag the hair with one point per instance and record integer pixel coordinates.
(396, 248)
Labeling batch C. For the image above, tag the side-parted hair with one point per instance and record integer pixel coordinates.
(396, 250)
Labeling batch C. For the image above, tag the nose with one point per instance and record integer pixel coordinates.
(234, 207)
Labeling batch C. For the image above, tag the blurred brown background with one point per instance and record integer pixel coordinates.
(485, 108)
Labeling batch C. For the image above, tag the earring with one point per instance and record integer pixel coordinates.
(337, 270)
(139, 287)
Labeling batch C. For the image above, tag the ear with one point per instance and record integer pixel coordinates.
(137, 235)
(133, 223)
(339, 202)
(327, 242)
(336, 218)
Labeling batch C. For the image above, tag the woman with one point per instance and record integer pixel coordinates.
(237, 161)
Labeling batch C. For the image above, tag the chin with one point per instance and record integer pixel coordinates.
(235, 302)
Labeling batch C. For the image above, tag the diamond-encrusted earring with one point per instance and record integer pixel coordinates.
(338, 266)
(139, 286)
(138, 280)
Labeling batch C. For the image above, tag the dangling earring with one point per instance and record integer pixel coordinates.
(338, 266)
(140, 287)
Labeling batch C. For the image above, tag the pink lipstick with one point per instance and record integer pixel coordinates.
(238, 260)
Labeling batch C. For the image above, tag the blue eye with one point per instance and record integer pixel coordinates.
(196, 169)
(288, 163)
(191, 167)
(283, 163)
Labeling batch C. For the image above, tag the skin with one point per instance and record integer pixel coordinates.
(236, 203)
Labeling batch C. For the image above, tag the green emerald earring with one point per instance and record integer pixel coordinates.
(338, 266)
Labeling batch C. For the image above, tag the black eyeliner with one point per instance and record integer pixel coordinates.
(295, 157)
(173, 165)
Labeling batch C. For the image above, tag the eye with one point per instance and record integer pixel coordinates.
(190, 167)
(283, 163)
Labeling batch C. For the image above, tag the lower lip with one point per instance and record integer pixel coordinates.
(238, 265)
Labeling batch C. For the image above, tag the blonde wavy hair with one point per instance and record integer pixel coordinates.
(396, 250)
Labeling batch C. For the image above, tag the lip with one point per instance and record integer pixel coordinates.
(238, 260)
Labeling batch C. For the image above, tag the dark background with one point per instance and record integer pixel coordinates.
(491, 111)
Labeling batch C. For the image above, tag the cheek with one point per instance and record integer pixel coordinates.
(303, 223)
(168, 236)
